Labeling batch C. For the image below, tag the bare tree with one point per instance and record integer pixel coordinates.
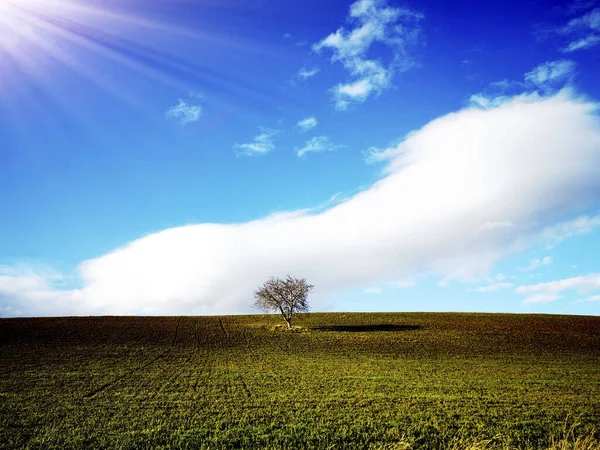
(285, 295)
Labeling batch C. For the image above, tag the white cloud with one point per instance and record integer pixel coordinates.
(582, 32)
(30, 291)
(307, 124)
(184, 113)
(406, 283)
(532, 161)
(588, 21)
(374, 78)
(261, 144)
(548, 291)
(375, 155)
(491, 287)
(317, 144)
(359, 89)
(373, 290)
(371, 21)
(590, 40)
(550, 75)
(579, 226)
(485, 101)
(551, 72)
(537, 263)
(506, 84)
(581, 283)
(593, 298)
(542, 298)
(31, 270)
(198, 95)
(305, 73)
(577, 5)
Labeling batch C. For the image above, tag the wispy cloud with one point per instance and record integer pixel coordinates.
(402, 284)
(373, 290)
(542, 298)
(194, 94)
(307, 124)
(371, 21)
(536, 264)
(587, 21)
(551, 72)
(504, 85)
(546, 77)
(492, 287)
(375, 155)
(402, 225)
(184, 112)
(261, 144)
(549, 291)
(486, 101)
(581, 32)
(590, 40)
(579, 226)
(575, 6)
(305, 73)
(317, 144)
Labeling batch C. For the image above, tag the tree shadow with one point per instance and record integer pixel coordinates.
(368, 328)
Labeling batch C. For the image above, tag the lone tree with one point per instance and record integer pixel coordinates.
(287, 296)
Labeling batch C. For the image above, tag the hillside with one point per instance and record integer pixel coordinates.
(426, 380)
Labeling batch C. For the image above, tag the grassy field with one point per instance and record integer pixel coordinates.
(376, 381)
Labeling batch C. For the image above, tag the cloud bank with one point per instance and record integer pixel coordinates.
(527, 164)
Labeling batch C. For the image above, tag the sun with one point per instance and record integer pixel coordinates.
(47, 44)
(49, 47)
(42, 40)
(26, 30)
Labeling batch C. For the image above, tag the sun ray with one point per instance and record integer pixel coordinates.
(39, 39)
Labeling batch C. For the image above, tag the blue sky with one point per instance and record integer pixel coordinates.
(167, 157)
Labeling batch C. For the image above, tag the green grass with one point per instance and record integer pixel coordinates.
(373, 381)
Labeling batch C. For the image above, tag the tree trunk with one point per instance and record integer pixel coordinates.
(289, 322)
